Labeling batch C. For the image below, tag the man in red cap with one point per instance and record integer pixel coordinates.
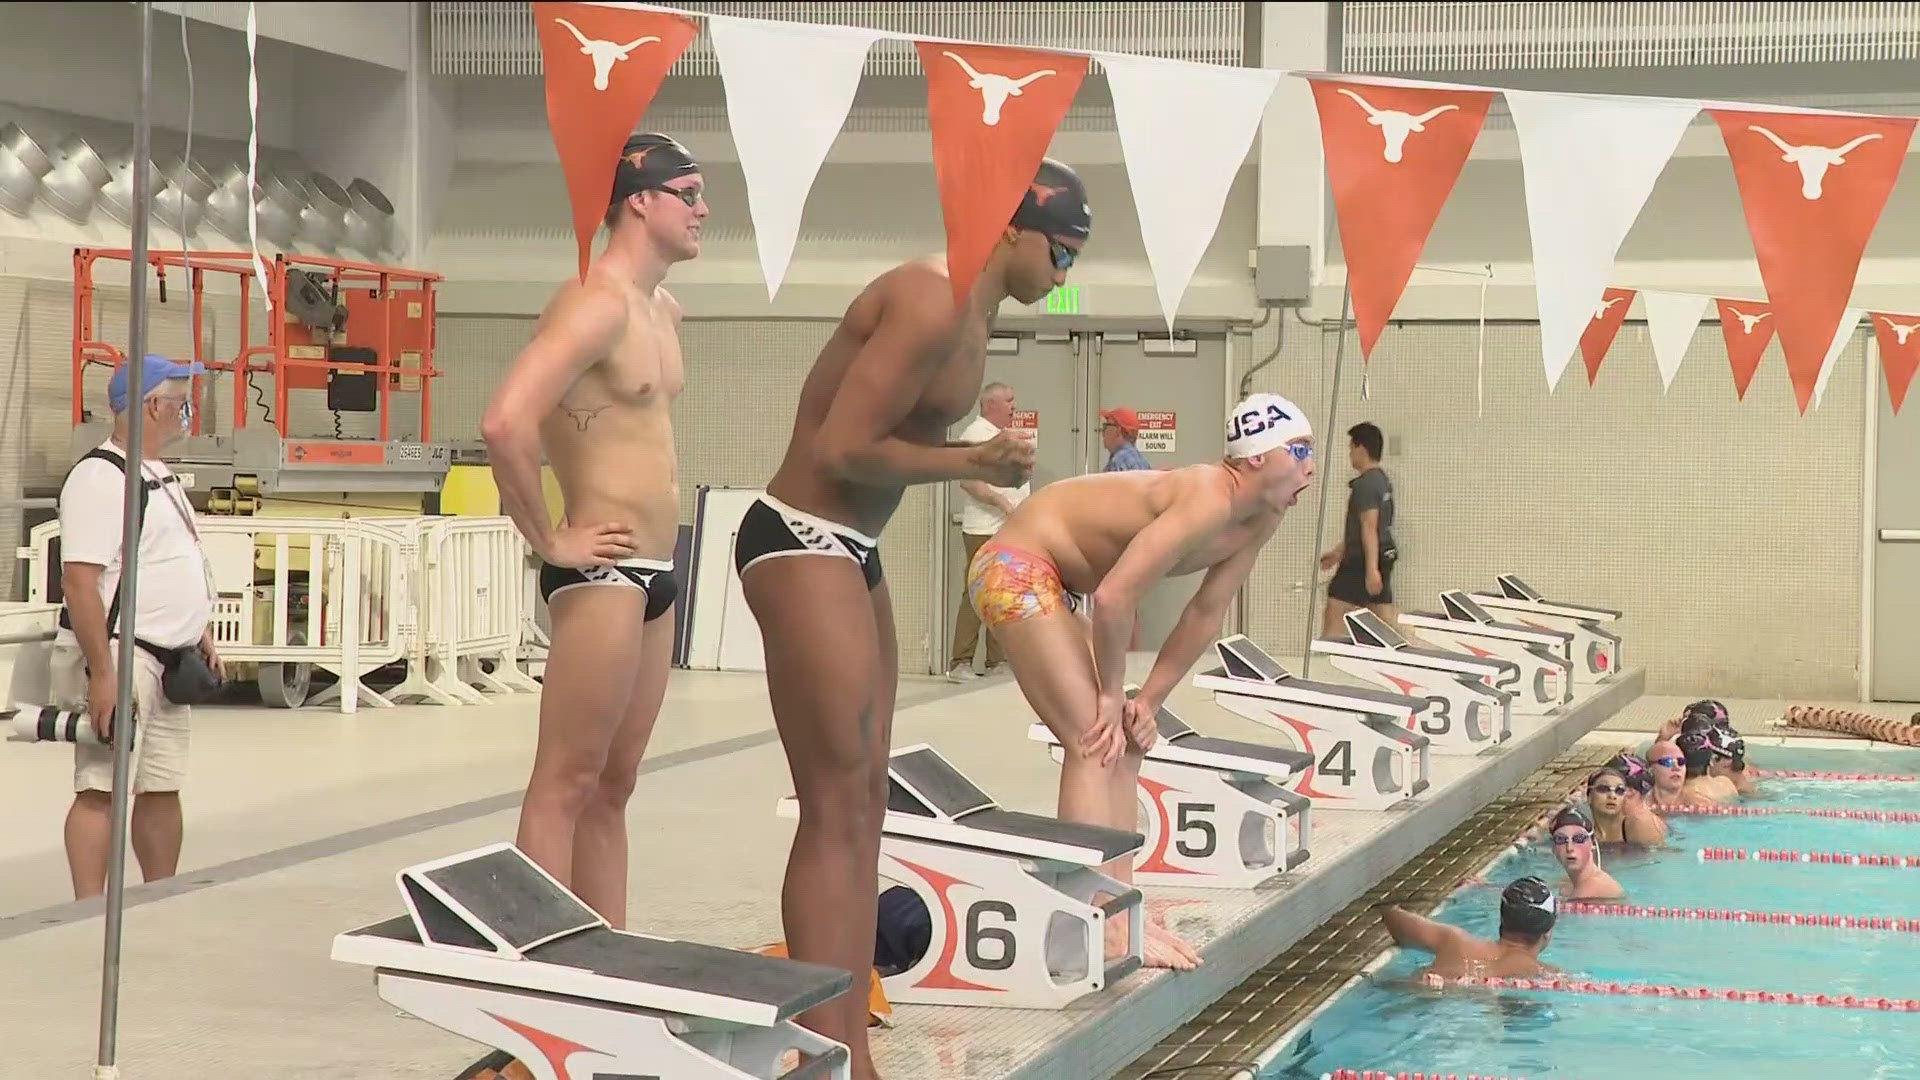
(1118, 428)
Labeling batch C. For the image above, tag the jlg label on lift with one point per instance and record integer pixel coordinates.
(327, 452)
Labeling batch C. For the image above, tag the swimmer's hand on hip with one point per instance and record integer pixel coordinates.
(576, 547)
(1006, 460)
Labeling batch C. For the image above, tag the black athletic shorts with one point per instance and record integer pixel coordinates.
(771, 529)
(1349, 582)
(652, 577)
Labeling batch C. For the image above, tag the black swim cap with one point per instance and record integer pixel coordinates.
(1055, 203)
(661, 159)
(1570, 815)
(1715, 712)
(1634, 771)
(1697, 748)
(1720, 741)
(1527, 907)
(1696, 723)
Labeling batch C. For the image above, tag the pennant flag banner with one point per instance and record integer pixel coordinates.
(1608, 315)
(783, 126)
(1588, 165)
(1813, 187)
(1746, 327)
(1393, 155)
(993, 111)
(603, 65)
(1212, 113)
(1899, 338)
(1849, 322)
(1671, 320)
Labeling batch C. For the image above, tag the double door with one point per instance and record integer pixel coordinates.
(1061, 382)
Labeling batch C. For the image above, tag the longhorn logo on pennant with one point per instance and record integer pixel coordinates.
(1899, 337)
(1813, 187)
(993, 112)
(1393, 156)
(1608, 316)
(602, 67)
(1747, 327)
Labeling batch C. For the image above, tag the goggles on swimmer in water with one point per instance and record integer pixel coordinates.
(1572, 838)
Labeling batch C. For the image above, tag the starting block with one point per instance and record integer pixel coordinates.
(1468, 712)
(1542, 679)
(1365, 754)
(1011, 895)
(494, 949)
(1596, 649)
(1215, 819)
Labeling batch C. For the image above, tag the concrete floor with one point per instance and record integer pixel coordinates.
(296, 822)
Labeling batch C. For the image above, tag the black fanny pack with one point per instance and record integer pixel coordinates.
(185, 676)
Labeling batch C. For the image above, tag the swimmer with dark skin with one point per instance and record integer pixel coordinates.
(1528, 908)
(904, 365)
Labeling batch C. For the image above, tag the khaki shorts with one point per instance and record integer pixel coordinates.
(160, 750)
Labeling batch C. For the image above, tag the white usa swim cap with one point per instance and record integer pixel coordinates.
(1264, 423)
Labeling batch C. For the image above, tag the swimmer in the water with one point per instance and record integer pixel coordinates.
(1638, 803)
(1575, 846)
(1730, 760)
(1669, 768)
(1060, 583)
(1697, 716)
(1527, 912)
(1702, 788)
(1614, 821)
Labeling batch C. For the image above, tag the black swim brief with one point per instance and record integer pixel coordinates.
(771, 529)
(653, 577)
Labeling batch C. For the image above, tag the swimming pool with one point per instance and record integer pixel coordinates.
(1386, 1023)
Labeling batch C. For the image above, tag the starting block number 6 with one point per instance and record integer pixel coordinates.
(1007, 950)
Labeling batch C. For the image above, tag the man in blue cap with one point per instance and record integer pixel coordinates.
(175, 607)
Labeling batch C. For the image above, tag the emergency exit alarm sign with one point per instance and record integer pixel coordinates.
(1027, 422)
(1156, 432)
(1064, 300)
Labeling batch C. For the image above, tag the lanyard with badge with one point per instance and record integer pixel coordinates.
(185, 510)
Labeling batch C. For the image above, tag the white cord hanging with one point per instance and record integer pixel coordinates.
(253, 156)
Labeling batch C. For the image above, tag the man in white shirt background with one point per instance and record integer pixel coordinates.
(983, 509)
(174, 609)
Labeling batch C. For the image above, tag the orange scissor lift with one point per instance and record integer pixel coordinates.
(377, 342)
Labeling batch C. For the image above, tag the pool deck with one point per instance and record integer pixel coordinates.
(297, 821)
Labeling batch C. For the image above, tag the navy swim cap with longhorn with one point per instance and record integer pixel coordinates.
(660, 159)
(1055, 203)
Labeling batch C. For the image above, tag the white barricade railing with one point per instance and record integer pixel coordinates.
(444, 595)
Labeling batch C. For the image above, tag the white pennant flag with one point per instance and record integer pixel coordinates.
(783, 123)
(1671, 320)
(1589, 164)
(1849, 322)
(1211, 113)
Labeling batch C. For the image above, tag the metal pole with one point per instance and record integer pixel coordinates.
(1320, 522)
(105, 1067)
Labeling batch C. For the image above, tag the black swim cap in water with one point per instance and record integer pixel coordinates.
(1634, 771)
(661, 159)
(1055, 203)
(1527, 907)
(1720, 741)
(1570, 816)
(1697, 748)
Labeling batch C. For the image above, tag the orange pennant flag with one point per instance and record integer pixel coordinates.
(1813, 187)
(1393, 155)
(1746, 328)
(603, 65)
(1899, 337)
(1603, 328)
(993, 112)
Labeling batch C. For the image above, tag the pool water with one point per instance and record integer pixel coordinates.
(1387, 1023)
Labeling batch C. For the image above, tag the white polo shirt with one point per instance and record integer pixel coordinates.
(978, 518)
(175, 595)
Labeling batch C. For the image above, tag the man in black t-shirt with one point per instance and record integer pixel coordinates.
(1363, 561)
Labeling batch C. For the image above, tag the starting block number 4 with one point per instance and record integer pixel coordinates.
(1361, 762)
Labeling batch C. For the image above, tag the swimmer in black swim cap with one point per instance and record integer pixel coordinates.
(1729, 759)
(1701, 787)
(1527, 911)
(1620, 814)
(1576, 845)
(658, 185)
(1053, 211)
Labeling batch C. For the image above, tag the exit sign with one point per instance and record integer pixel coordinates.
(1064, 300)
